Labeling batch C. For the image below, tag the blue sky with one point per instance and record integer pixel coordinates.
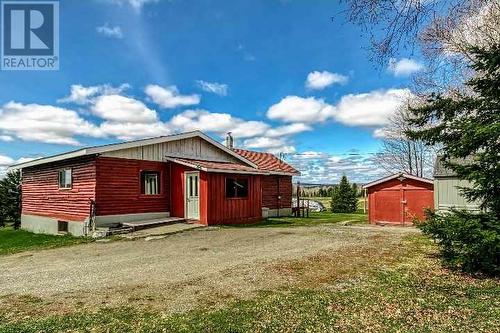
(281, 75)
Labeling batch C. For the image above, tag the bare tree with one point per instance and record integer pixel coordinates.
(399, 153)
(442, 30)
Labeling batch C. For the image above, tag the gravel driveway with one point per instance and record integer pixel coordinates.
(175, 270)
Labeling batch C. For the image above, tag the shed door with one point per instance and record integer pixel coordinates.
(387, 206)
(192, 195)
(416, 201)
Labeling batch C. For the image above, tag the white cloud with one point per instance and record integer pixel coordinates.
(44, 123)
(169, 97)
(6, 138)
(131, 131)
(108, 31)
(136, 4)
(85, 95)
(6, 161)
(219, 123)
(288, 130)
(323, 168)
(370, 109)
(213, 87)
(264, 142)
(320, 80)
(270, 145)
(380, 133)
(404, 66)
(117, 108)
(302, 110)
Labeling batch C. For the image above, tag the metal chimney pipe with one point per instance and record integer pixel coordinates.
(229, 141)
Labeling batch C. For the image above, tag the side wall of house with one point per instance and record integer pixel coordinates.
(447, 194)
(44, 203)
(222, 210)
(277, 195)
(118, 190)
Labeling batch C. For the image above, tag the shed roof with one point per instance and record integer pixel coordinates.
(397, 175)
(268, 162)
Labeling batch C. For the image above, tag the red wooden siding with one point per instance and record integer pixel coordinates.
(118, 189)
(273, 187)
(399, 202)
(42, 196)
(222, 210)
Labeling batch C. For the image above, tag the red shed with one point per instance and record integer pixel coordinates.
(399, 199)
(187, 176)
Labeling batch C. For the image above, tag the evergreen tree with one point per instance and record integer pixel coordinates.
(468, 128)
(10, 199)
(344, 199)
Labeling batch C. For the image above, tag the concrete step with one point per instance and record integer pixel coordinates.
(145, 224)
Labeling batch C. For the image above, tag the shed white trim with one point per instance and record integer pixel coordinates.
(397, 175)
(131, 144)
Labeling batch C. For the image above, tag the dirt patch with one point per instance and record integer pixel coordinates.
(185, 271)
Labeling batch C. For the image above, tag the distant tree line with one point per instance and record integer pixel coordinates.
(325, 191)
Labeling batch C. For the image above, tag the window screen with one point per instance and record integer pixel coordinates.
(236, 188)
(150, 182)
(65, 178)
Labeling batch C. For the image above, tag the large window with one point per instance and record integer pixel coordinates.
(150, 182)
(65, 179)
(236, 187)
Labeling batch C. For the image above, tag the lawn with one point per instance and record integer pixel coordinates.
(326, 202)
(315, 218)
(402, 288)
(13, 241)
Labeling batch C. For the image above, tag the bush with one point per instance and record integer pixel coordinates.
(468, 241)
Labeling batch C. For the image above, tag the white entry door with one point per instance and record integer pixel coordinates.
(192, 195)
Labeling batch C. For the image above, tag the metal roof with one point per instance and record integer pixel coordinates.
(440, 170)
(397, 175)
(130, 144)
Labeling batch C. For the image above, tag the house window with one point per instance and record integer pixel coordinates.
(236, 187)
(150, 182)
(62, 227)
(65, 178)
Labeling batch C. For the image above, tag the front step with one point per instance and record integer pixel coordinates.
(139, 225)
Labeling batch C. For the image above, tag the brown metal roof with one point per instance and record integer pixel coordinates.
(267, 162)
(210, 166)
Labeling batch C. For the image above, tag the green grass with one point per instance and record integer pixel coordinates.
(411, 293)
(326, 201)
(13, 241)
(315, 218)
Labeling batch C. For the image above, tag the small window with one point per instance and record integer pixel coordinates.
(236, 188)
(150, 182)
(65, 178)
(62, 227)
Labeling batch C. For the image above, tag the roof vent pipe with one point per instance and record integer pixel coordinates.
(229, 141)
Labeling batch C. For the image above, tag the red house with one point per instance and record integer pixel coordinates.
(399, 199)
(189, 176)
